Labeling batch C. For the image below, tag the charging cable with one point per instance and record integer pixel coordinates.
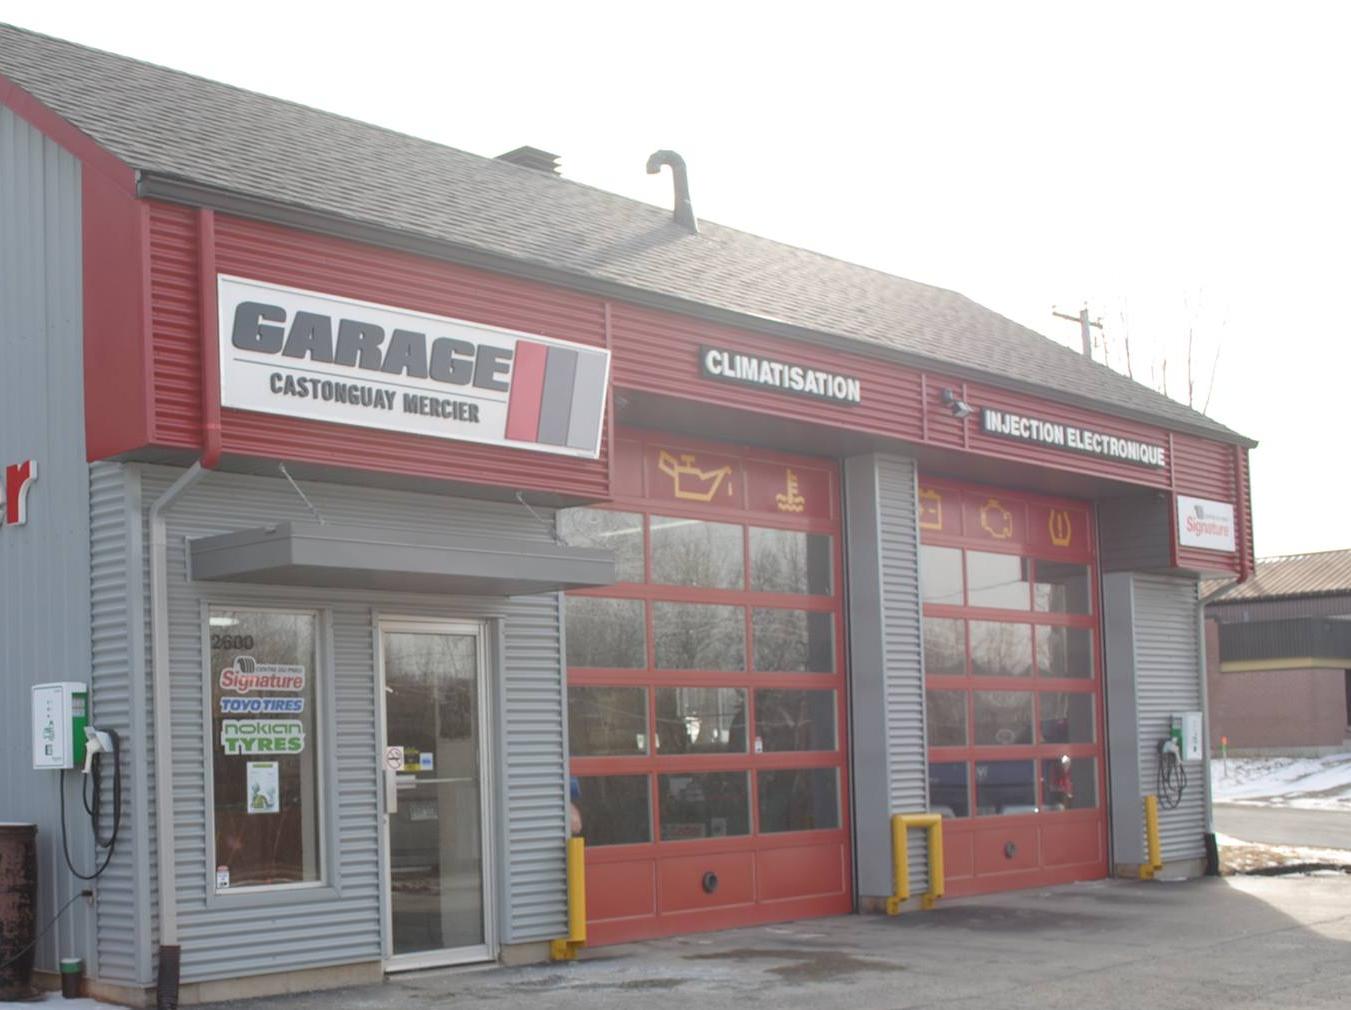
(1172, 776)
(46, 929)
(92, 801)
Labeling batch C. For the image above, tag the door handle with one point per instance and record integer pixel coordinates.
(391, 792)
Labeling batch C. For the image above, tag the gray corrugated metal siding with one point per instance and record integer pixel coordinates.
(886, 664)
(1167, 681)
(119, 702)
(223, 937)
(44, 619)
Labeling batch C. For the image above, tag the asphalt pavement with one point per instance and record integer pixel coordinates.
(1242, 943)
(1324, 829)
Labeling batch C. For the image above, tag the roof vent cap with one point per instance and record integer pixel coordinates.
(684, 210)
(532, 157)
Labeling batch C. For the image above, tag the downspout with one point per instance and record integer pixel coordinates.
(1212, 846)
(170, 953)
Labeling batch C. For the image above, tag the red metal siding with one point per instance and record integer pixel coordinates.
(1204, 469)
(659, 353)
(116, 366)
(269, 253)
(174, 323)
(979, 395)
(653, 351)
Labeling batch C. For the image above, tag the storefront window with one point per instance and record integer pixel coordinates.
(699, 636)
(787, 719)
(1062, 588)
(701, 720)
(997, 580)
(1066, 717)
(607, 721)
(615, 809)
(944, 647)
(1065, 652)
(606, 633)
(708, 805)
(794, 641)
(947, 718)
(947, 789)
(621, 532)
(690, 552)
(263, 745)
(1069, 783)
(1001, 650)
(785, 561)
(801, 799)
(1005, 787)
(1003, 718)
(940, 574)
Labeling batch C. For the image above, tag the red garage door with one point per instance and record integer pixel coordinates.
(1013, 677)
(706, 693)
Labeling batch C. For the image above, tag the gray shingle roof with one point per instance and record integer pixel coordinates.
(167, 124)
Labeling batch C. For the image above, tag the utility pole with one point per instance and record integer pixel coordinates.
(1084, 326)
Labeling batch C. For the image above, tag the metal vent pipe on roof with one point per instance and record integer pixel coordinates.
(684, 210)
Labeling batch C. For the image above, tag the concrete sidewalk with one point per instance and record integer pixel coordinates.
(1275, 943)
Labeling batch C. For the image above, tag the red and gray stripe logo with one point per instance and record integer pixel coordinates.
(557, 396)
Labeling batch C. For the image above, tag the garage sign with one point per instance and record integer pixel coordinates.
(321, 357)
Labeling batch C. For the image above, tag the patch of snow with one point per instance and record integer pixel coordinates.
(1322, 783)
(1238, 856)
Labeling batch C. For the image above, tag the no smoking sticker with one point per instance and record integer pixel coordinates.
(394, 759)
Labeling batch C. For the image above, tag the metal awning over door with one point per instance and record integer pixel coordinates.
(365, 557)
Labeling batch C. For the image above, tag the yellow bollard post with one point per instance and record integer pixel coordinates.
(900, 859)
(1155, 863)
(566, 949)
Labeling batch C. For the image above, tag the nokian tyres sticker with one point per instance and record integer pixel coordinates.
(262, 736)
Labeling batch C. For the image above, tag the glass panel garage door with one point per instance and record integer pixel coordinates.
(1013, 686)
(706, 694)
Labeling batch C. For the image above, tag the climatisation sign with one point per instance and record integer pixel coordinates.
(1072, 438)
(321, 357)
(784, 376)
(1206, 524)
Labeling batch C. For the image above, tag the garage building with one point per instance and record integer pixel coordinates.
(394, 501)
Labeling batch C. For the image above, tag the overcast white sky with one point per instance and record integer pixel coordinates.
(1178, 167)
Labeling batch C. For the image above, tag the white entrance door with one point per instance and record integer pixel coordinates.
(436, 796)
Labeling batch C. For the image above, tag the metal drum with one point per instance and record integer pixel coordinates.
(18, 908)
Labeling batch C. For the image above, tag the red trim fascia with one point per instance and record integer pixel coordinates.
(78, 143)
(145, 328)
(118, 400)
(210, 324)
(1242, 505)
(1173, 545)
(613, 408)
